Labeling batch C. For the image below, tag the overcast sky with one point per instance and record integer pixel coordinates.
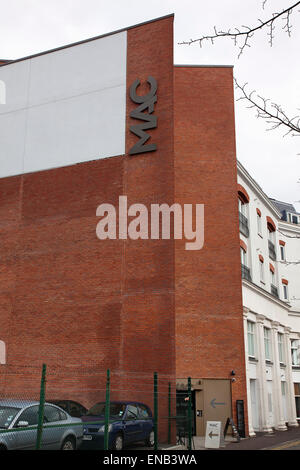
(30, 26)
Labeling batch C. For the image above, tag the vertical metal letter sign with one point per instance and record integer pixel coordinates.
(145, 102)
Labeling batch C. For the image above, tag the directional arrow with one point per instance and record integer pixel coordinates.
(214, 403)
(211, 435)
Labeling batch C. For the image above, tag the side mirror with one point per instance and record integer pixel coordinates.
(22, 424)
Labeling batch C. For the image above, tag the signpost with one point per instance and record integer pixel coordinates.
(233, 427)
(213, 434)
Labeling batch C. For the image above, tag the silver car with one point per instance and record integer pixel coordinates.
(19, 421)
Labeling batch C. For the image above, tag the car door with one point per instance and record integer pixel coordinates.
(146, 421)
(133, 428)
(26, 439)
(52, 429)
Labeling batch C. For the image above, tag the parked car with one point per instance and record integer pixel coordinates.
(18, 426)
(129, 422)
(73, 408)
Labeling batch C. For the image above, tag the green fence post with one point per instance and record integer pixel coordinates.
(169, 417)
(41, 409)
(107, 409)
(189, 414)
(155, 411)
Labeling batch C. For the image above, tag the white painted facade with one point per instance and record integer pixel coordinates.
(271, 321)
(53, 99)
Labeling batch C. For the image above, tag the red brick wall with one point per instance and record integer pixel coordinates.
(209, 314)
(82, 305)
(79, 304)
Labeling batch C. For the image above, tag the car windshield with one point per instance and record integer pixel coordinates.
(115, 409)
(7, 414)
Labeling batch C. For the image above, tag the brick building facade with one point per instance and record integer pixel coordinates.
(78, 303)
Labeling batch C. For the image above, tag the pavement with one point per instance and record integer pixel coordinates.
(278, 440)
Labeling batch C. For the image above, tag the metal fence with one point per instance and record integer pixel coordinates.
(83, 408)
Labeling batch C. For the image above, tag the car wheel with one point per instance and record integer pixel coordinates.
(68, 444)
(118, 442)
(149, 442)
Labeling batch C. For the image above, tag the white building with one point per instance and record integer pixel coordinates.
(270, 250)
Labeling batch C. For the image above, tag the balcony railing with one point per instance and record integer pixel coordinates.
(244, 227)
(274, 290)
(246, 273)
(272, 251)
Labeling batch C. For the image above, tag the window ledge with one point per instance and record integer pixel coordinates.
(270, 363)
(296, 367)
(252, 359)
(282, 364)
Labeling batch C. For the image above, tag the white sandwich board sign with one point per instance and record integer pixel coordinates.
(213, 437)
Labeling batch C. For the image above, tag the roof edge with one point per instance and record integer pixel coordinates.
(94, 38)
(203, 66)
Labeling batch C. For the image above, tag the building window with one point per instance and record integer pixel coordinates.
(243, 218)
(251, 338)
(297, 398)
(259, 231)
(243, 257)
(281, 347)
(242, 208)
(274, 288)
(282, 253)
(293, 218)
(267, 341)
(271, 238)
(261, 271)
(285, 292)
(294, 352)
(246, 273)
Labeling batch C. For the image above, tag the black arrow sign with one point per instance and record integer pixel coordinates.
(214, 403)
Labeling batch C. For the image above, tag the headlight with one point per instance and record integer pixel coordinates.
(102, 429)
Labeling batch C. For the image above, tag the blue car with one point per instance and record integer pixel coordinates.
(129, 422)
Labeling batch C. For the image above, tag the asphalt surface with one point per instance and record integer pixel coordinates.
(279, 440)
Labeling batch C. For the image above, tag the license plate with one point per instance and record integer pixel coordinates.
(87, 438)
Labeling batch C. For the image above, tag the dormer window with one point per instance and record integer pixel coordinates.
(293, 218)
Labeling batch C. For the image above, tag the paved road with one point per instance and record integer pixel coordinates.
(292, 445)
(279, 440)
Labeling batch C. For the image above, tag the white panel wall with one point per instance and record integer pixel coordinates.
(64, 107)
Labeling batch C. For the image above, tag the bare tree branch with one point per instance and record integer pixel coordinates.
(273, 113)
(248, 32)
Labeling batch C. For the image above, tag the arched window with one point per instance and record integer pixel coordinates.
(271, 224)
(271, 241)
(261, 268)
(243, 210)
(2, 352)
(243, 195)
(258, 219)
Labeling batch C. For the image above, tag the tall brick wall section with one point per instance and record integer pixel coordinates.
(208, 300)
(148, 319)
